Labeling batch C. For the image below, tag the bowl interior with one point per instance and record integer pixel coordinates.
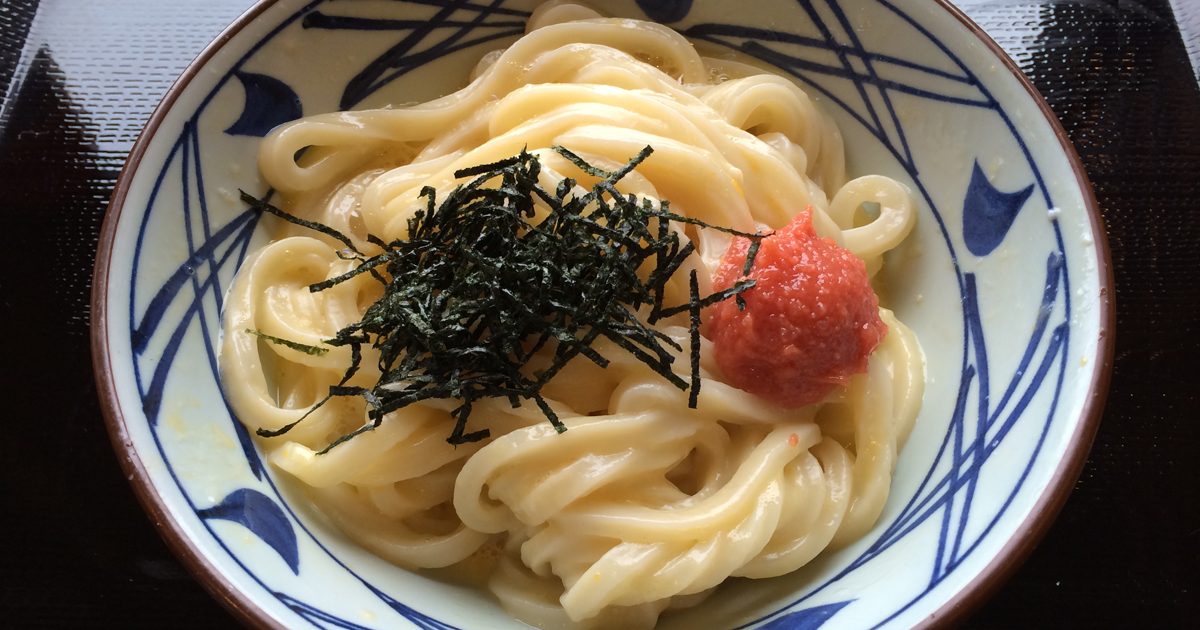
(1003, 283)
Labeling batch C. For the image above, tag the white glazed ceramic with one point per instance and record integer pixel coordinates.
(1005, 282)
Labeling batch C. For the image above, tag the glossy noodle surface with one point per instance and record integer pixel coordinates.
(643, 504)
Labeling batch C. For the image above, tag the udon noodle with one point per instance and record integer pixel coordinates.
(643, 504)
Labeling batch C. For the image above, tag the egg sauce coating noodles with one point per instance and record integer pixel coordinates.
(643, 504)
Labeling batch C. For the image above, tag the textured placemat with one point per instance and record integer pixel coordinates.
(79, 79)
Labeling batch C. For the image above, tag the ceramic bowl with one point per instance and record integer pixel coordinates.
(1006, 282)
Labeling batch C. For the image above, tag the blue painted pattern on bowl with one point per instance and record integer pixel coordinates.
(1003, 282)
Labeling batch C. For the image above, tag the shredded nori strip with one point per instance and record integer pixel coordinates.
(694, 330)
(306, 349)
(261, 205)
(751, 254)
(480, 286)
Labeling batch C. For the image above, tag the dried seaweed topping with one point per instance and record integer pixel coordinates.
(502, 268)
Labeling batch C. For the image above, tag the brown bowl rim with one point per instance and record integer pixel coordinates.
(967, 600)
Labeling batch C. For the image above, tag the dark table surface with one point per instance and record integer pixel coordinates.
(78, 79)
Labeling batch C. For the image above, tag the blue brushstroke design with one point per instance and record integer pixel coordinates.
(977, 430)
(317, 617)
(665, 11)
(807, 619)
(317, 19)
(805, 57)
(263, 517)
(238, 229)
(418, 619)
(152, 394)
(414, 49)
(195, 175)
(988, 213)
(269, 103)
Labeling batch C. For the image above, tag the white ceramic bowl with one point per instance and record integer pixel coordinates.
(1006, 283)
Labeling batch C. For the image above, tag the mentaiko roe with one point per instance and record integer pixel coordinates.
(810, 321)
